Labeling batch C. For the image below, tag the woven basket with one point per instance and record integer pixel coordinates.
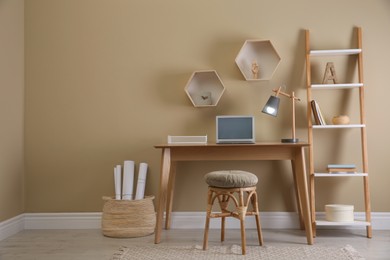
(128, 218)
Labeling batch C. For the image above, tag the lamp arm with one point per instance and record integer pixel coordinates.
(278, 91)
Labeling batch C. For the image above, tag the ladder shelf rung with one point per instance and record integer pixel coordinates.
(335, 52)
(337, 86)
(344, 174)
(338, 126)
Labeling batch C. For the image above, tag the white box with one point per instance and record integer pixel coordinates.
(187, 139)
(339, 213)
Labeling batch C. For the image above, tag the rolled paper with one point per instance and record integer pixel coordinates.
(128, 180)
(117, 181)
(143, 167)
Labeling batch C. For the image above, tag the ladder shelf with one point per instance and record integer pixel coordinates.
(361, 125)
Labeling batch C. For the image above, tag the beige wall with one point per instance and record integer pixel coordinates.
(105, 82)
(11, 108)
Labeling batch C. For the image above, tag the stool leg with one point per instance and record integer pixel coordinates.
(257, 217)
(207, 225)
(223, 203)
(243, 239)
(223, 229)
(242, 213)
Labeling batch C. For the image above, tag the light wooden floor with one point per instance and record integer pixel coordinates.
(91, 244)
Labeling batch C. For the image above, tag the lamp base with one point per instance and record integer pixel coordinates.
(290, 140)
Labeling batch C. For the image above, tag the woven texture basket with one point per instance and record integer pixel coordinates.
(128, 218)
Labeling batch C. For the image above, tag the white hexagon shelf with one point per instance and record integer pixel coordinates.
(204, 88)
(257, 60)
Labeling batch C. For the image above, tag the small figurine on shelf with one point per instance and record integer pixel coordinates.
(330, 74)
(204, 98)
(340, 120)
(255, 69)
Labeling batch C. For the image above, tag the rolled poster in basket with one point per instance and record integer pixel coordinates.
(143, 167)
(117, 181)
(128, 180)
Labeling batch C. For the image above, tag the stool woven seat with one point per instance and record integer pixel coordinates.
(231, 179)
(223, 186)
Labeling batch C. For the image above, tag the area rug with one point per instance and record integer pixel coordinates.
(162, 252)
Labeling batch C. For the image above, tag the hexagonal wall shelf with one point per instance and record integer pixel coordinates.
(257, 60)
(204, 88)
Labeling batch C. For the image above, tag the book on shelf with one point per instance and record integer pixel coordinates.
(314, 112)
(341, 168)
(318, 117)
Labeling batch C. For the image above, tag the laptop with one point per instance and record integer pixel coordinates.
(235, 129)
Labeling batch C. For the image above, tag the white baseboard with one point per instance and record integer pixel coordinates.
(11, 226)
(269, 220)
(85, 220)
(272, 220)
(180, 220)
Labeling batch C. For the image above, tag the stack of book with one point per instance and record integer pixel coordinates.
(341, 168)
(318, 118)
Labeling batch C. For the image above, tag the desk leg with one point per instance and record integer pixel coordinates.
(312, 204)
(171, 188)
(299, 202)
(164, 177)
(300, 172)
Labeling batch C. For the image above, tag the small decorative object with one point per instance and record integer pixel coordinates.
(339, 213)
(330, 74)
(255, 70)
(340, 120)
(204, 98)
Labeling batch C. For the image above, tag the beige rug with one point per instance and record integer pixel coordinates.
(161, 252)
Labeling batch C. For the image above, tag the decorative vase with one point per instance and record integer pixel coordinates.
(340, 120)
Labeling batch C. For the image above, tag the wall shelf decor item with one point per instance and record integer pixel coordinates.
(330, 74)
(257, 60)
(204, 88)
(316, 174)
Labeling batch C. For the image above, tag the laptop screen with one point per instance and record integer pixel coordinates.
(235, 129)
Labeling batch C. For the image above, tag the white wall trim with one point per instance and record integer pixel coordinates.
(84, 220)
(269, 220)
(180, 220)
(272, 220)
(11, 226)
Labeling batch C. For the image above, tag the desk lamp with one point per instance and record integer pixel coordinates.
(272, 107)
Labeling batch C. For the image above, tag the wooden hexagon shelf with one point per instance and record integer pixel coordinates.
(204, 88)
(257, 60)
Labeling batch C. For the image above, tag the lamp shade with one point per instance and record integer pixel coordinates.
(272, 106)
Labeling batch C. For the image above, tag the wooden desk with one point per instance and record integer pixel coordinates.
(172, 153)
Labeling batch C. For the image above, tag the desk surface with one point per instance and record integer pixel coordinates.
(166, 145)
(232, 152)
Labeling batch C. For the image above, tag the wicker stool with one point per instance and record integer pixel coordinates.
(222, 186)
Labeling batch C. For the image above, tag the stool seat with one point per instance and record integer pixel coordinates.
(231, 179)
